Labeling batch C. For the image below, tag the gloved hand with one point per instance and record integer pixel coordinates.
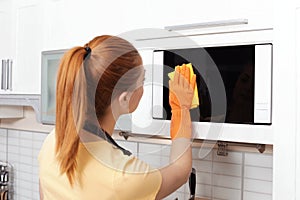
(180, 99)
(195, 101)
(182, 88)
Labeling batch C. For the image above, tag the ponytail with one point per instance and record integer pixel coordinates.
(66, 128)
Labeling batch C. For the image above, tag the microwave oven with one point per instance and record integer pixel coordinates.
(234, 83)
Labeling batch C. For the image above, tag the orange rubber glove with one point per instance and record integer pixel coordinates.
(180, 99)
(195, 102)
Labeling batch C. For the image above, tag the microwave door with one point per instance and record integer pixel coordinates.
(234, 82)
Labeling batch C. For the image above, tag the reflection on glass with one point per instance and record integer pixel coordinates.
(236, 67)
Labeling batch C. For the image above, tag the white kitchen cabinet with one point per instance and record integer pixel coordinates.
(5, 40)
(177, 12)
(28, 36)
(5, 24)
(68, 24)
(22, 44)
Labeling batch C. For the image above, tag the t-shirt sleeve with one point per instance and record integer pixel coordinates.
(137, 180)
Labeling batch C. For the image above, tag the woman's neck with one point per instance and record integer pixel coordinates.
(108, 122)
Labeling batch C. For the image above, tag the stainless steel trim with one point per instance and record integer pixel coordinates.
(229, 22)
(9, 74)
(4, 75)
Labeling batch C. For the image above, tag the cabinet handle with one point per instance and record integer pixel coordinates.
(207, 24)
(9, 74)
(4, 75)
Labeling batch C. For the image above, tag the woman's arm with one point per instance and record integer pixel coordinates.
(177, 173)
(179, 169)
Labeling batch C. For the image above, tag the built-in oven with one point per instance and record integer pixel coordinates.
(234, 82)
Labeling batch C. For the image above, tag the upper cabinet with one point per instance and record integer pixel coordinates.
(5, 43)
(169, 13)
(68, 24)
(22, 42)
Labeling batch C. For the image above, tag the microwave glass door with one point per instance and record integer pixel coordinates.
(236, 67)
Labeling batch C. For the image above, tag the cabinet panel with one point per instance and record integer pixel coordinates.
(5, 33)
(26, 67)
(166, 13)
(5, 37)
(68, 24)
(21, 39)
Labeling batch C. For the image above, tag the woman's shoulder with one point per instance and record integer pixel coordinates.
(48, 143)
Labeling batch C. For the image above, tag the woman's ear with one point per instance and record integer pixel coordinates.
(124, 100)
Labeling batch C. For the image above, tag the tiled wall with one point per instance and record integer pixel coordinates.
(238, 176)
(21, 152)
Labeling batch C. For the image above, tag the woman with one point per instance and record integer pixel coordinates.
(79, 160)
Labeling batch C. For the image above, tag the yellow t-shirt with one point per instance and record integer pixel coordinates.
(103, 172)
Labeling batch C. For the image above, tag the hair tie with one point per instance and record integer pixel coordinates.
(88, 52)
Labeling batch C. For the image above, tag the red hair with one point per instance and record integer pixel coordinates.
(91, 82)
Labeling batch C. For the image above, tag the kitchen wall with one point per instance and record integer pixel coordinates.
(238, 176)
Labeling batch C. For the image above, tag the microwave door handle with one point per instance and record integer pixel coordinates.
(220, 23)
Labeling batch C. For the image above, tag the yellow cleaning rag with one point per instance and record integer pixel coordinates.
(195, 102)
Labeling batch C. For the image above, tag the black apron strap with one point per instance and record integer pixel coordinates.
(105, 136)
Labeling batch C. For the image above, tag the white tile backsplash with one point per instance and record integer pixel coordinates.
(204, 178)
(259, 173)
(3, 144)
(22, 150)
(203, 166)
(227, 181)
(256, 196)
(203, 190)
(258, 186)
(260, 160)
(202, 153)
(226, 193)
(238, 176)
(227, 169)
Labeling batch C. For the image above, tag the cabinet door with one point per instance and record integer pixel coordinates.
(27, 47)
(5, 36)
(175, 12)
(69, 24)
